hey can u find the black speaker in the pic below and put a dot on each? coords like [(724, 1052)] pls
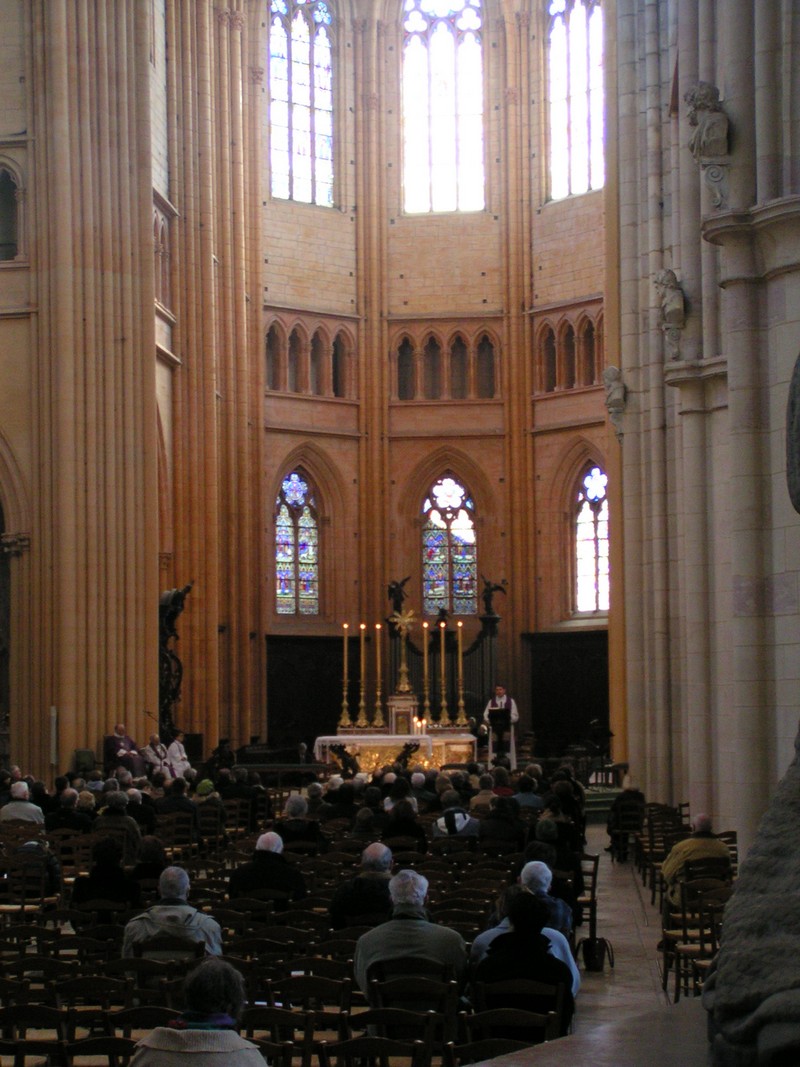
[(193, 743)]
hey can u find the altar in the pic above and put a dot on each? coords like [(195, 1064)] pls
[(373, 750)]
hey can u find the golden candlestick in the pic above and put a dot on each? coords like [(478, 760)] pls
[(462, 718), (361, 721), (377, 719), (443, 714), (344, 720), (402, 621), (426, 702)]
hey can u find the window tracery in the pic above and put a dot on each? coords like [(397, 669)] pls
[(296, 546), (449, 549)]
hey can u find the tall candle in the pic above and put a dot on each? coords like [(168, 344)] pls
[(378, 656), (460, 656), (363, 627), (443, 665), (425, 658), (345, 628)]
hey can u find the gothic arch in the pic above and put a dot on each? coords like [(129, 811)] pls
[(13, 492), (325, 475), (439, 462), (579, 453)]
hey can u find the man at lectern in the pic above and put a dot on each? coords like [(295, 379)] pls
[(501, 716)]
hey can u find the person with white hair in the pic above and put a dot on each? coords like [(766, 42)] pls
[(364, 900), (537, 878), (409, 933), (268, 869), (173, 915), (295, 826), (20, 807)]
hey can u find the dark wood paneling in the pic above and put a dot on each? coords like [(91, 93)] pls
[(569, 690)]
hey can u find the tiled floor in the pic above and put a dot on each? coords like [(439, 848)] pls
[(627, 919)]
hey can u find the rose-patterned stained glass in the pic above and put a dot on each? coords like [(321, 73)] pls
[(442, 101), (301, 101), (592, 591), (449, 551), (296, 548)]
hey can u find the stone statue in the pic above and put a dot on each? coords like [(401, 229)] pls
[(170, 668), (673, 313), (616, 397), (489, 589), (709, 140)]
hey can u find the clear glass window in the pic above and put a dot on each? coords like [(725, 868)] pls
[(301, 101), (591, 542), (442, 99)]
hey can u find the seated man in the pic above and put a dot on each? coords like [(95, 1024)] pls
[(155, 754), (294, 825), (173, 915), (120, 750), (558, 944), (701, 845), (368, 893), (268, 869), (409, 933), (66, 816), (454, 820), (20, 806), (537, 878), (527, 915)]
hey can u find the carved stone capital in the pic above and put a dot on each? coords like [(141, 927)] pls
[(14, 544), (223, 16), (523, 19), (512, 95), (359, 25), (237, 20), (257, 75)]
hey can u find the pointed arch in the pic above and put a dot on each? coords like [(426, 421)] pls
[(432, 366), (547, 361), (11, 199), (405, 360), (275, 348), (14, 497)]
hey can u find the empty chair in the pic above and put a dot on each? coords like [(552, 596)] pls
[(379, 1050)]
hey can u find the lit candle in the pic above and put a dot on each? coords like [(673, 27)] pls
[(363, 628), (443, 674), (425, 660), (345, 628), (378, 656), (460, 656)]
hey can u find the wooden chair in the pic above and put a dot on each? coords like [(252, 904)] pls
[(528, 995), (478, 1051), (398, 1024), (418, 994), (169, 947), (702, 904), (410, 966), (588, 899), (280, 1026), (515, 1023), (112, 1051), (17, 1051), (381, 1051), (139, 1020)]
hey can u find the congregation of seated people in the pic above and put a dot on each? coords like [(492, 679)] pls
[(449, 872)]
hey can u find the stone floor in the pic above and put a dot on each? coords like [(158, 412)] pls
[(627, 919), (623, 1017)]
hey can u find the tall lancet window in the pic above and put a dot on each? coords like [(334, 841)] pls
[(449, 550), (575, 92), (443, 106), (296, 547), (301, 101), (591, 542)]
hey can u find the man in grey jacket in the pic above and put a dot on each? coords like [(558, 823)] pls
[(409, 933), (174, 916)]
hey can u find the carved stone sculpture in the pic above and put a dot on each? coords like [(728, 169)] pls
[(673, 310), (616, 397), (709, 140)]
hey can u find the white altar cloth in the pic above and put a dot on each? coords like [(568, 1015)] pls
[(374, 749)]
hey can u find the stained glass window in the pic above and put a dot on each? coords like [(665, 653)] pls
[(301, 100), (591, 543), (575, 93), (296, 547), (442, 103), (449, 551)]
